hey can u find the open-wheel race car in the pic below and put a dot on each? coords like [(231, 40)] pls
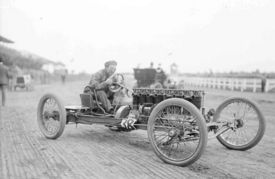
[(176, 120)]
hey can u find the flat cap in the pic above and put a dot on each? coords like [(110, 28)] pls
[(111, 62)]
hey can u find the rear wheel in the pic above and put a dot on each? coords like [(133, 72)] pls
[(51, 116), (177, 132), (245, 120)]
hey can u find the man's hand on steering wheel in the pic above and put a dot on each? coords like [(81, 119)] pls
[(116, 84), (113, 84), (115, 87)]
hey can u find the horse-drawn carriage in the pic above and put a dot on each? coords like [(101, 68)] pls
[(176, 121)]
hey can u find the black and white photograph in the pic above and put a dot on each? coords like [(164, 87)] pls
[(102, 89)]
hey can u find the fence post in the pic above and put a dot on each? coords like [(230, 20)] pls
[(254, 85), (220, 83), (267, 86), (203, 82), (224, 83), (231, 82), (243, 85)]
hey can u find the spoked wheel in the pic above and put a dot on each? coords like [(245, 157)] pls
[(177, 132), (246, 124), (51, 116)]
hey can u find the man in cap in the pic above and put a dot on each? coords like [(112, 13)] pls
[(100, 82), (4, 80)]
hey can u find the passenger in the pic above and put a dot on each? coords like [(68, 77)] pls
[(160, 75), (100, 82)]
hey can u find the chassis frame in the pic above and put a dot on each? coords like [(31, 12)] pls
[(188, 124)]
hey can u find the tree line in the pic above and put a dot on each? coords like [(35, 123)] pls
[(23, 60)]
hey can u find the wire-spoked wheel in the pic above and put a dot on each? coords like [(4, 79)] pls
[(51, 116), (245, 120), (177, 132)]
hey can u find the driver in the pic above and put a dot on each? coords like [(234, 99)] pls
[(100, 82)]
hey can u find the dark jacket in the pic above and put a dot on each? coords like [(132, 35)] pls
[(4, 75), (98, 80)]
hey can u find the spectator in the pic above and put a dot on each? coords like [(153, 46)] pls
[(160, 75), (263, 82), (64, 75), (14, 71), (152, 65), (4, 80), (10, 80)]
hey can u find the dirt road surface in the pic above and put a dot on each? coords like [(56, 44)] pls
[(93, 151)]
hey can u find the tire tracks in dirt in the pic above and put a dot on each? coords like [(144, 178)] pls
[(27, 155), (129, 153)]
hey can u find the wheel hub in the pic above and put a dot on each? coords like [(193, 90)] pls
[(172, 133), (239, 123), (51, 115)]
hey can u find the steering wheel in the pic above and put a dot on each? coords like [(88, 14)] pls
[(115, 87), (118, 84), (118, 81)]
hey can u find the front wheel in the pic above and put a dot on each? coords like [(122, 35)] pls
[(51, 116), (177, 132), (245, 122)]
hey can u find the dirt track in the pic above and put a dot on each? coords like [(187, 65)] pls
[(96, 152)]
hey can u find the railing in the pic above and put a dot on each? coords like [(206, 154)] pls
[(240, 84), (270, 84)]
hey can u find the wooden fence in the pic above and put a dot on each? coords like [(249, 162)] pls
[(241, 84)]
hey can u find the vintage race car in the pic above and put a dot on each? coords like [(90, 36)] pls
[(176, 121)]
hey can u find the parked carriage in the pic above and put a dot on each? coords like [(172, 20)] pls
[(23, 82)]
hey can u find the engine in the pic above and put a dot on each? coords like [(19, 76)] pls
[(145, 99)]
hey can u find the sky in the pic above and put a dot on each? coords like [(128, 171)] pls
[(197, 35)]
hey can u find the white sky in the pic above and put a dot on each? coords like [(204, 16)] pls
[(198, 35)]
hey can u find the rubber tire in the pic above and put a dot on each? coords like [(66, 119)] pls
[(62, 114), (200, 121), (260, 132)]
